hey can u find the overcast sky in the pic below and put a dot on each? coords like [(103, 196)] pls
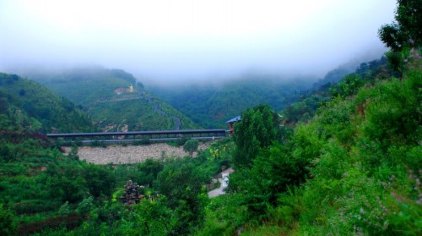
[(170, 39)]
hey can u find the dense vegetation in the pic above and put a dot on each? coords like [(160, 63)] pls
[(353, 168), (47, 193), (44, 192), (114, 99), (212, 104), (406, 31), (331, 86), (26, 105), (349, 165)]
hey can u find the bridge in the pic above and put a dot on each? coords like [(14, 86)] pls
[(138, 136)]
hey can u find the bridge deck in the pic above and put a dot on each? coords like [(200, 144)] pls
[(199, 132), (138, 136)]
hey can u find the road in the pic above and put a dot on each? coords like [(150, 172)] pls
[(224, 183)]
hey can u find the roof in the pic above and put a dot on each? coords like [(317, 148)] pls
[(235, 119)]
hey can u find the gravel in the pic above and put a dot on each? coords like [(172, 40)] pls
[(118, 154)]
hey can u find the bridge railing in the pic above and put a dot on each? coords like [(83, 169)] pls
[(134, 136)]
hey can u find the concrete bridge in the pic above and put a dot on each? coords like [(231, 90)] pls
[(138, 136)]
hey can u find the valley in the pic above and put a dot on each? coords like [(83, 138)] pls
[(210, 104), (269, 153), (350, 126), (91, 150)]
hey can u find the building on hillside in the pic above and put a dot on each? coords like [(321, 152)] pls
[(119, 91), (123, 90), (231, 123)]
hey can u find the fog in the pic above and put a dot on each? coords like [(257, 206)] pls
[(169, 40)]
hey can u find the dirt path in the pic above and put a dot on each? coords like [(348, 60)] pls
[(224, 183), (131, 154)]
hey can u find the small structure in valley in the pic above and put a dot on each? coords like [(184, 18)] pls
[(231, 123)]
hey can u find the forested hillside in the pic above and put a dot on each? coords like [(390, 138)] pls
[(211, 104), (350, 166), (114, 99), (353, 168), (330, 87), (26, 105), (344, 159), (44, 192)]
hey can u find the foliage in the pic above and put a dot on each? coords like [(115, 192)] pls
[(406, 30), (348, 86), (100, 181), (7, 226), (181, 184), (353, 168), (105, 95), (191, 146), (257, 129), (273, 172), (153, 217), (333, 84), (212, 104), (26, 105), (224, 215), (47, 193), (349, 164)]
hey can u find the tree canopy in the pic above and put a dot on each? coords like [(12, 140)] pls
[(257, 129), (406, 31)]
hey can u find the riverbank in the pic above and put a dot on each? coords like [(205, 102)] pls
[(118, 154)]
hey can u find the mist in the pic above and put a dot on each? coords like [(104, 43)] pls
[(168, 41)]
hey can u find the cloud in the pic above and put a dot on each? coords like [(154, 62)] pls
[(191, 38)]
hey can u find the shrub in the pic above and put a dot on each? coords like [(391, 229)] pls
[(191, 146)]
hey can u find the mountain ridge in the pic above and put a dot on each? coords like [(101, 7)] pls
[(212, 104), (27, 105), (114, 98)]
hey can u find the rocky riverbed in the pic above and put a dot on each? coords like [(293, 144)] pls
[(118, 154)]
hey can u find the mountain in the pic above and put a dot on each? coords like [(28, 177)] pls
[(335, 75), (331, 86), (348, 164), (211, 104), (114, 99), (27, 105), (354, 163)]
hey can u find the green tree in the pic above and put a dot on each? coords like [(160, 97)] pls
[(191, 146), (257, 129), (149, 169), (99, 180), (272, 173), (348, 86), (7, 226), (182, 185), (407, 29), (65, 183), (152, 217)]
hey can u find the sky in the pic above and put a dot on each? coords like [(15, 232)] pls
[(174, 39)]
